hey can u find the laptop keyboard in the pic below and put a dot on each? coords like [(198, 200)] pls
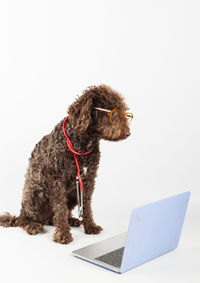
[(113, 258)]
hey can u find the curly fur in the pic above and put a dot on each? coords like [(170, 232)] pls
[(49, 193)]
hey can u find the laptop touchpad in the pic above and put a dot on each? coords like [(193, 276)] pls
[(113, 258)]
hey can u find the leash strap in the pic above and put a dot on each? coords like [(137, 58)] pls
[(78, 178)]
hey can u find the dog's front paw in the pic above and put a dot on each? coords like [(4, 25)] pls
[(62, 236), (93, 229), (33, 228), (74, 222)]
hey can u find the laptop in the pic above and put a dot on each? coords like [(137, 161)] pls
[(154, 229)]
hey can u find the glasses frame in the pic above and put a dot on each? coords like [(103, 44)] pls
[(127, 114)]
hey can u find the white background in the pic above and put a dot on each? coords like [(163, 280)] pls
[(150, 52)]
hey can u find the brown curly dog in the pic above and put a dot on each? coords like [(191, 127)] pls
[(49, 193)]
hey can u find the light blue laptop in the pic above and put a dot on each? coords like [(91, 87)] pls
[(154, 229)]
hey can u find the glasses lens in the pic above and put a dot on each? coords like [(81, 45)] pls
[(115, 116), (129, 117)]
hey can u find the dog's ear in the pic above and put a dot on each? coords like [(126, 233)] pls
[(80, 112)]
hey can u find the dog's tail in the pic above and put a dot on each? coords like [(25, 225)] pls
[(7, 220)]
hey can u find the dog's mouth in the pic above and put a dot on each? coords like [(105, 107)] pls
[(119, 138), (114, 133)]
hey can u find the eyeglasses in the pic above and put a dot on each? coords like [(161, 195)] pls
[(116, 115)]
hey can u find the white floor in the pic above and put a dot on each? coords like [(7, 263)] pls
[(26, 258)]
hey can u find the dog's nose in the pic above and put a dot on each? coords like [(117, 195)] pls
[(127, 134)]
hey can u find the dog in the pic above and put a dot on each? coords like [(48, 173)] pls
[(49, 193)]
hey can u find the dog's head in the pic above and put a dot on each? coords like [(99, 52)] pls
[(84, 116)]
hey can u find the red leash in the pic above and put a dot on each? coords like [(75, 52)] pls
[(69, 144)]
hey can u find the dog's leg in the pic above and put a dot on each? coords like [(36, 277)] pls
[(62, 234), (89, 225), (30, 226), (30, 219)]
